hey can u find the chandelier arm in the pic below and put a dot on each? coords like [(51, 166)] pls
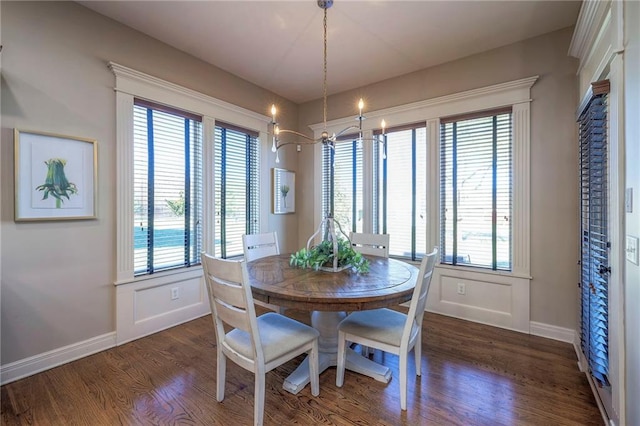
[(283, 144), (298, 134)]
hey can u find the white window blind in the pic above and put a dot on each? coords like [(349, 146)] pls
[(476, 190), (401, 185), (344, 181), (594, 260), (167, 177), (237, 188)]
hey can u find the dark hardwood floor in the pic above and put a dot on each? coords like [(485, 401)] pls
[(472, 374)]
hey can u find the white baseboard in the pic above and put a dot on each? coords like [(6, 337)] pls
[(144, 307), (603, 411), (47, 360), (552, 332), (583, 366)]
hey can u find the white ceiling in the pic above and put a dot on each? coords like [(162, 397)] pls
[(278, 44)]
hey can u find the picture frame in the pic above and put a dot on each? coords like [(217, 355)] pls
[(283, 191), (55, 176)]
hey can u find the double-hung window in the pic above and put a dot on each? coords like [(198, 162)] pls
[(342, 184), (167, 183), (400, 204), (237, 187), (476, 190)]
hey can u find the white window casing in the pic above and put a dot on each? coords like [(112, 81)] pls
[(499, 298), (142, 303)]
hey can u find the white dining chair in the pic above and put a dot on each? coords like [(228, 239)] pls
[(257, 246), (258, 344), (372, 244), (389, 330)]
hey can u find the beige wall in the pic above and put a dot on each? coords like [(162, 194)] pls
[(554, 205), (57, 277)]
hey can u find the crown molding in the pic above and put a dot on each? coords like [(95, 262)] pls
[(200, 103), (513, 92), (592, 13)]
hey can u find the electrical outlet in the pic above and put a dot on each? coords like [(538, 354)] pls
[(175, 293), (462, 289)]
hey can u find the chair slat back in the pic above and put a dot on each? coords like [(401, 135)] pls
[(257, 246), (230, 298), (371, 244), (231, 313), (420, 293)]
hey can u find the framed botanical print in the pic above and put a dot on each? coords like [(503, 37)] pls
[(55, 176), (284, 191)]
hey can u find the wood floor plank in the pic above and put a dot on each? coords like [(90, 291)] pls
[(472, 374)]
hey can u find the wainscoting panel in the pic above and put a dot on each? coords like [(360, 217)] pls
[(497, 299), (148, 306)]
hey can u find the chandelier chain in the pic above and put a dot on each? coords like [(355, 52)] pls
[(324, 138), (324, 83)]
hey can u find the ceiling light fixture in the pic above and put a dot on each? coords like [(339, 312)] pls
[(325, 139)]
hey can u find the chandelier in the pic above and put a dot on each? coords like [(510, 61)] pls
[(324, 138)]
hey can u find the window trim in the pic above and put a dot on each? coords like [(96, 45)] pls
[(130, 83), (517, 95)]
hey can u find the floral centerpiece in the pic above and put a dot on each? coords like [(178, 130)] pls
[(332, 254)]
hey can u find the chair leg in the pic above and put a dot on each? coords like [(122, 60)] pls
[(314, 369), (403, 378), (342, 355), (258, 397), (221, 373), (417, 352)]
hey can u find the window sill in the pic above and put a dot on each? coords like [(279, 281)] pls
[(476, 270), (160, 277)]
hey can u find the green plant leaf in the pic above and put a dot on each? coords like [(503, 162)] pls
[(322, 255)]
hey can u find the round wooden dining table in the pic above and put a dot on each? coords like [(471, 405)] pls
[(329, 295)]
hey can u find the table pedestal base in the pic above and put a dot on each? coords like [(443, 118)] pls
[(327, 324)]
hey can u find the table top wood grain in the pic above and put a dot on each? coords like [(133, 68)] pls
[(388, 282)]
